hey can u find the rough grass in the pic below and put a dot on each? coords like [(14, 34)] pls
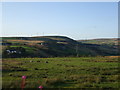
[(81, 72)]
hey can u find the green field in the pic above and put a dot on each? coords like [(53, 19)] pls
[(68, 72)]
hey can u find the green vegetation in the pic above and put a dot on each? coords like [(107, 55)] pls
[(58, 62), (107, 41), (67, 72), (56, 46)]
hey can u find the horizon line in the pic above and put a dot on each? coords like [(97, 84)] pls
[(63, 36)]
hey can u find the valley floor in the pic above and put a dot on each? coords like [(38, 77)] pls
[(68, 72)]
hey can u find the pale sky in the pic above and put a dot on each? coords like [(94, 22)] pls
[(77, 20)]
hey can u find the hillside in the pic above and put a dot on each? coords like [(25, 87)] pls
[(102, 41), (52, 46)]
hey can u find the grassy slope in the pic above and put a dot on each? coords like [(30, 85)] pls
[(109, 41), (68, 47), (83, 72)]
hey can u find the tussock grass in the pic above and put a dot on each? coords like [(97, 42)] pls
[(68, 72)]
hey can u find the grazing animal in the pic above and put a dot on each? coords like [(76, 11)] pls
[(31, 61), (46, 62), (10, 74), (44, 77), (36, 68), (38, 61)]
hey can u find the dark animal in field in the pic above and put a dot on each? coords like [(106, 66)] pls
[(38, 61), (46, 62), (44, 77), (72, 66), (68, 70), (10, 74), (25, 62), (36, 69)]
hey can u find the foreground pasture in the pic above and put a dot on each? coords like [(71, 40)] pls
[(81, 72)]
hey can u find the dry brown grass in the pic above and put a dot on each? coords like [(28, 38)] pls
[(10, 62), (27, 41), (112, 56)]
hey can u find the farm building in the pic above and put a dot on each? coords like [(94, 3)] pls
[(12, 51)]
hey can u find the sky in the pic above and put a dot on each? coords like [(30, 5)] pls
[(77, 20)]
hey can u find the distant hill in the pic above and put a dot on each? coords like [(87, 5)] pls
[(54, 46), (103, 41)]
